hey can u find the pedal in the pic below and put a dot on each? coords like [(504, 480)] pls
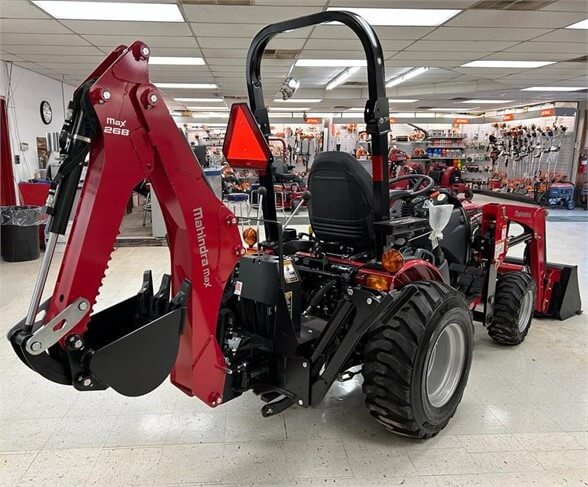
[(269, 396), (276, 407)]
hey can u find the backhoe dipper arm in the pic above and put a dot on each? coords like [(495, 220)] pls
[(136, 138)]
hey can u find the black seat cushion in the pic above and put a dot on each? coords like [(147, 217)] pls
[(342, 206)]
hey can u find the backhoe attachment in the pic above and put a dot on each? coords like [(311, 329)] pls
[(120, 128)]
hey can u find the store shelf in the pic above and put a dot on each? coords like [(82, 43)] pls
[(447, 158), (454, 137), (446, 146)]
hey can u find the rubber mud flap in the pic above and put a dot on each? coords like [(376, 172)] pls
[(137, 363)]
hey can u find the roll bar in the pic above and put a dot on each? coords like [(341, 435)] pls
[(376, 113)]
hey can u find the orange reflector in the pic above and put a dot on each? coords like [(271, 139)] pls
[(250, 236), (245, 146), (392, 260), (378, 282)]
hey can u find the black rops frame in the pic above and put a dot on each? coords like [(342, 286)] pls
[(376, 113)]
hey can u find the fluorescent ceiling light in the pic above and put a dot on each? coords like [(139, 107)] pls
[(406, 76), (341, 77), (200, 100), (555, 88), (401, 100), (289, 109), (281, 115), (208, 109), (352, 115), (324, 115), (137, 12), (403, 114), (211, 114), (194, 86), (298, 100), (330, 63), (180, 61), (402, 16), (457, 110), (506, 64), (583, 24), (489, 102)]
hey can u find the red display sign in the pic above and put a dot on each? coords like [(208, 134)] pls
[(548, 112), (508, 117), (313, 120), (460, 121), (392, 120)]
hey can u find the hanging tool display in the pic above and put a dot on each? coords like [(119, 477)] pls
[(525, 158)]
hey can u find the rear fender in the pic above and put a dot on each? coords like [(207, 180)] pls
[(415, 270)]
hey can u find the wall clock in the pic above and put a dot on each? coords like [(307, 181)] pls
[(46, 112)]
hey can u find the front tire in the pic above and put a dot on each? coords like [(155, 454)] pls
[(416, 365), (514, 304)]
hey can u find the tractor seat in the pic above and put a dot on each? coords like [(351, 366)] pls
[(342, 205)]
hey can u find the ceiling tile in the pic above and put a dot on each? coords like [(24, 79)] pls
[(459, 56), (567, 6), (570, 48), (19, 9), (242, 30), (461, 46), (224, 53), (32, 26), (383, 32), (486, 34), (151, 41), (514, 19), (236, 14), (60, 50), (60, 58), (565, 35), (244, 42), (41, 39), (129, 28), (354, 45)]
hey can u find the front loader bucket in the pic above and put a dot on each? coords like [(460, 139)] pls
[(565, 297)]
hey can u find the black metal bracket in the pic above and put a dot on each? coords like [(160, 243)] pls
[(369, 308)]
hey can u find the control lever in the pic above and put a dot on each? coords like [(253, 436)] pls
[(305, 197)]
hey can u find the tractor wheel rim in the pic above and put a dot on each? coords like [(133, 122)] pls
[(445, 362), (526, 310)]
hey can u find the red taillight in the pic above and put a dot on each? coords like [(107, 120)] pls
[(245, 146)]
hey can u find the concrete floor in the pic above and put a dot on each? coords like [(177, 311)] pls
[(523, 420)]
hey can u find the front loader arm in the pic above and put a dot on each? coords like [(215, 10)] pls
[(137, 139)]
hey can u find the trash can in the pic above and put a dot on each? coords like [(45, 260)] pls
[(20, 232)]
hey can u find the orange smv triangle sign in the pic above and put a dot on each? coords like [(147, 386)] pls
[(245, 146)]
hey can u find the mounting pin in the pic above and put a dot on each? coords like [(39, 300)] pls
[(36, 346), (83, 306), (105, 95)]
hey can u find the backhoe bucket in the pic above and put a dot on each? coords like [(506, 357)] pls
[(131, 346)]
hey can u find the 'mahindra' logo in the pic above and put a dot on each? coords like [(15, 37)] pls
[(202, 249)]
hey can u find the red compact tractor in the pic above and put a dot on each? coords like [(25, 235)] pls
[(390, 298)]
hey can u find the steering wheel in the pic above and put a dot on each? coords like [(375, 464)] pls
[(421, 184)]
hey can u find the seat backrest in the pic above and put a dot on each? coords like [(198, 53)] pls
[(342, 205)]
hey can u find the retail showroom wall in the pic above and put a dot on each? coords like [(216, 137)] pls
[(26, 92)]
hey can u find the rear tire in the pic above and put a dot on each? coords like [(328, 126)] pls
[(416, 366), (514, 304)]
